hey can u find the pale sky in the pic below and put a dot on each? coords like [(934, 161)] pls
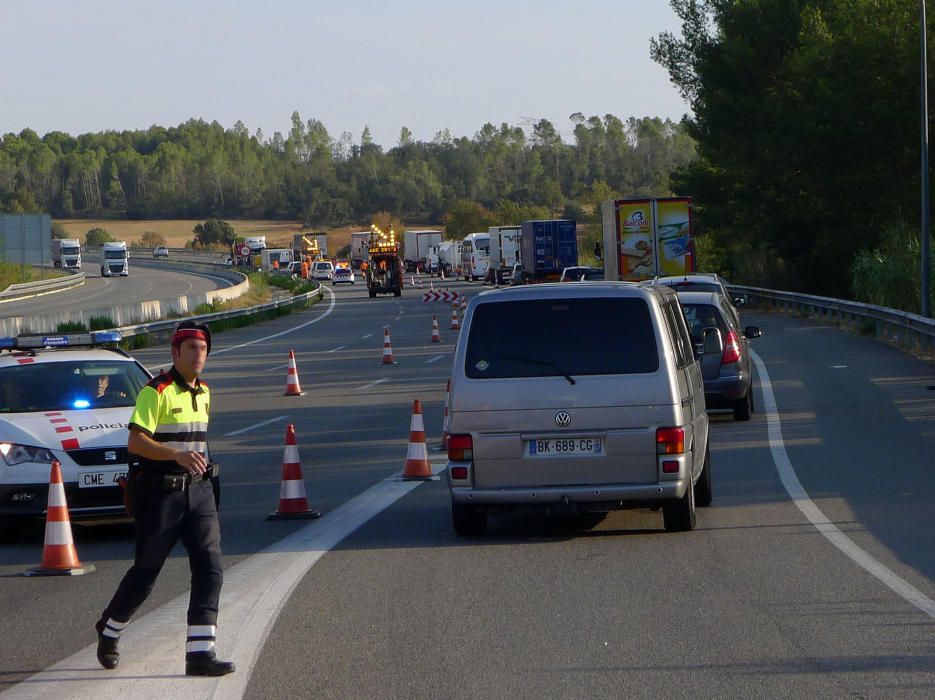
[(91, 65)]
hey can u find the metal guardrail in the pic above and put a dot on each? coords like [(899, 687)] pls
[(167, 326), (33, 289), (911, 331)]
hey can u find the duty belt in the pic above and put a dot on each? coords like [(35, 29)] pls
[(177, 482)]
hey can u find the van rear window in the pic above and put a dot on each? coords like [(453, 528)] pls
[(557, 337)]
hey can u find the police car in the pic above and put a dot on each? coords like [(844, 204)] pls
[(67, 398)]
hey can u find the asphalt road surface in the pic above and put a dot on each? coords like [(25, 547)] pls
[(142, 284), (812, 574)]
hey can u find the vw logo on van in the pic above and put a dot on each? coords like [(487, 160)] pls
[(562, 419)]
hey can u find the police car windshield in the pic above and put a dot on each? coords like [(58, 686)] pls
[(70, 385)]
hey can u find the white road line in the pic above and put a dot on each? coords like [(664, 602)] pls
[(255, 426), (369, 335), (254, 594), (272, 369), (373, 384), (816, 517), (434, 359), (285, 332), (340, 347)]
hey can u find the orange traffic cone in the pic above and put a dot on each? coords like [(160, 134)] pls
[(417, 459), (59, 557), (388, 358), (292, 379), (441, 272), (293, 504), (436, 336), (455, 322)]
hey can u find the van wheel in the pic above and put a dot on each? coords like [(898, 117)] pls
[(743, 409), (373, 294), (679, 516), (703, 492), (468, 520), (398, 293)]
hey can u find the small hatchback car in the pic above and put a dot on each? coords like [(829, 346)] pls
[(578, 398)]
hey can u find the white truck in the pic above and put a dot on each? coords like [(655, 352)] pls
[(256, 244), (360, 245), (66, 253), (505, 251), (115, 260), (281, 256), (475, 252), (416, 246), (445, 256)]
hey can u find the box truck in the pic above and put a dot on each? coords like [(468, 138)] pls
[(66, 253), (645, 238), (416, 246), (547, 248), (504, 251)]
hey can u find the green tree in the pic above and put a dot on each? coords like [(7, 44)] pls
[(152, 239), (213, 232), (466, 217), (96, 236)]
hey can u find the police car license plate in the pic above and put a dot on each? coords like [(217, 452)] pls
[(98, 479), (565, 447)]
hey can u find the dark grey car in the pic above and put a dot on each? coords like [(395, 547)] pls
[(728, 380)]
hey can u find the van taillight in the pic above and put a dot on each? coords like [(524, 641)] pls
[(459, 473), (460, 448), (670, 441), (731, 349)]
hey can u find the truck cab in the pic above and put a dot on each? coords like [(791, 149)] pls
[(115, 260), (66, 253)]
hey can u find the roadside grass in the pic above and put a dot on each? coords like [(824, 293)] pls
[(14, 273)]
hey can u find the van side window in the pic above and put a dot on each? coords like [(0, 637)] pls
[(683, 350)]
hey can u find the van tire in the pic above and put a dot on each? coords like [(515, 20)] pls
[(468, 520), (679, 515), (703, 493), (743, 409)]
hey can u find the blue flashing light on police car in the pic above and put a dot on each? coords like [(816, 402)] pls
[(91, 339)]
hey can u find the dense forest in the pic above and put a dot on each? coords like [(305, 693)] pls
[(200, 169), (806, 117)]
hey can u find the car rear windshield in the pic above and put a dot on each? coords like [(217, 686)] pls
[(558, 337), (701, 316), (68, 386), (696, 287)]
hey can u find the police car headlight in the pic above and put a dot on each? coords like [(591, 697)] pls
[(19, 454)]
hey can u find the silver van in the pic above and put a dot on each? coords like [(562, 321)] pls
[(578, 398)]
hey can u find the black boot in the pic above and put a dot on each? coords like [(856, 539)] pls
[(107, 653), (205, 663)]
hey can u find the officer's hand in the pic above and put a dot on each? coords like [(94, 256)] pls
[(194, 462)]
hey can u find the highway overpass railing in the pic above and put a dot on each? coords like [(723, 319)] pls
[(911, 331)]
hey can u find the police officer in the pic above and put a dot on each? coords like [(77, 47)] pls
[(172, 492)]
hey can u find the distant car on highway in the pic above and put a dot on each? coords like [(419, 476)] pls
[(577, 398), (703, 282), (343, 275), (70, 402), (322, 270), (728, 380), (160, 251), (582, 274)]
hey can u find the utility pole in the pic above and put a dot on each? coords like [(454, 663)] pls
[(926, 310)]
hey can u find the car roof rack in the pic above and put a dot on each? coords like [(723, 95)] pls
[(64, 340)]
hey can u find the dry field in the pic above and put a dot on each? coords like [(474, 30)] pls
[(178, 232)]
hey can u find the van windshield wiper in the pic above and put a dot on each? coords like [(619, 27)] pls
[(541, 363)]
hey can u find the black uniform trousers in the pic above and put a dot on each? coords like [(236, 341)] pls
[(161, 519)]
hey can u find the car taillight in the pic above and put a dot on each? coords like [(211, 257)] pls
[(731, 349), (670, 441), (460, 448)]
